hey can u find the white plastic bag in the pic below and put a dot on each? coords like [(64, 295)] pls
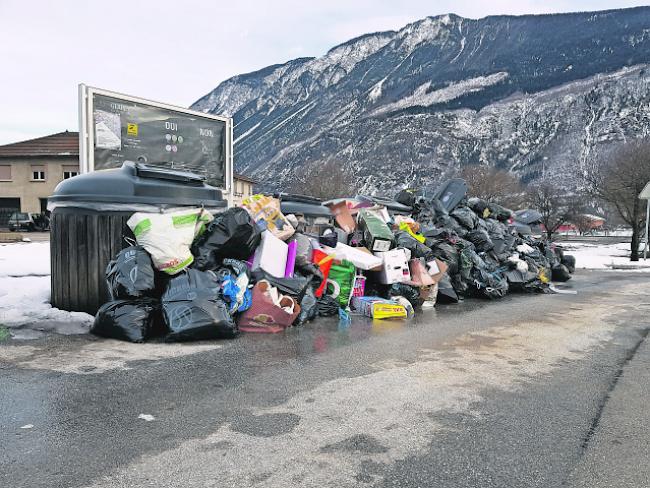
[(167, 237)]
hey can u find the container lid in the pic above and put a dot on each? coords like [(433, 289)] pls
[(301, 204), (136, 184)]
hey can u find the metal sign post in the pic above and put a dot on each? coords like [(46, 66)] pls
[(645, 195)]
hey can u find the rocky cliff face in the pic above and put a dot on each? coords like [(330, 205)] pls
[(536, 95)]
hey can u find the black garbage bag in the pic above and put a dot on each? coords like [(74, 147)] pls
[(560, 272), (193, 308), (328, 237), (411, 293), (131, 274), (445, 252), (499, 212), (570, 262), (450, 223), (405, 197), (488, 284), (481, 240), (446, 292), (294, 287), (310, 270), (327, 306), (478, 205), (308, 307), (126, 320), (465, 217), (418, 250), (232, 234)]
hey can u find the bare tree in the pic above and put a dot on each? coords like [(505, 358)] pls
[(557, 208), (324, 180), (494, 185), (617, 178)]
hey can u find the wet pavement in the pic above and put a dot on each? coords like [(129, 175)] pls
[(532, 390)]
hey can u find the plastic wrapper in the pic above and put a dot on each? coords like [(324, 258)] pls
[(193, 308), (308, 307), (126, 320), (232, 234), (234, 278), (131, 274)]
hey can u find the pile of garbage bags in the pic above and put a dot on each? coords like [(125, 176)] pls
[(192, 275)]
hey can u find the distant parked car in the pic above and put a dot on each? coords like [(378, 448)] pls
[(28, 222)]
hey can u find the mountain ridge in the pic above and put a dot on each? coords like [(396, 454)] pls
[(444, 70)]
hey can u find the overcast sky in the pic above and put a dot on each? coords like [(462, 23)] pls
[(176, 51)]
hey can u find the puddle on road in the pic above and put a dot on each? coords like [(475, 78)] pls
[(383, 416)]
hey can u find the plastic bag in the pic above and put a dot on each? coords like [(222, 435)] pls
[(294, 287), (126, 320), (131, 274), (232, 234), (340, 282), (193, 308), (446, 292), (418, 250), (308, 307), (405, 197), (327, 306), (411, 293), (167, 237), (570, 262), (234, 278), (465, 217), (560, 272), (488, 284), (481, 239), (265, 211)]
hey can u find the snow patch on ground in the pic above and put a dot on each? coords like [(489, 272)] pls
[(25, 294), (610, 256)]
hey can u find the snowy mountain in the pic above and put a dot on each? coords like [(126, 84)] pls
[(531, 94)]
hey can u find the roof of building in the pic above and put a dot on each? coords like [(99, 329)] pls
[(60, 144), (248, 179)]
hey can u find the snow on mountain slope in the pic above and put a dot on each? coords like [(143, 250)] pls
[(537, 95)]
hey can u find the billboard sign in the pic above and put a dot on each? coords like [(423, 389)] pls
[(114, 128)]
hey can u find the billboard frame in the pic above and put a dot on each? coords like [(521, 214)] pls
[(87, 131)]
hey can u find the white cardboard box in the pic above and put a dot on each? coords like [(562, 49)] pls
[(271, 255), (395, 266)]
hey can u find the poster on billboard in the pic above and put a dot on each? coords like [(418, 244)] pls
[(115, 128)]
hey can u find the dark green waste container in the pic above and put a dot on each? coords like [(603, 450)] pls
[(88, 223)]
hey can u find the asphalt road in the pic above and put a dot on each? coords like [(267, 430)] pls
[(533, 390)]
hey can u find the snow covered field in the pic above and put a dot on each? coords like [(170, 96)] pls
[(25, 294), (25, 285), (610, 256)]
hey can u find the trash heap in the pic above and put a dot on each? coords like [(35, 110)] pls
[(192, 275)]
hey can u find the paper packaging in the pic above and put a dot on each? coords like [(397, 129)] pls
[(376, 233), (271, 255), (395, 266), (343, 216), (437, 269), (379, 308), (270, 311), (359, 256)]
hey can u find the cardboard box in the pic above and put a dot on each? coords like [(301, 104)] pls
[(379, 308), (376, 233), (394, 267), (437, 269), (271, 255), (343, 216)]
